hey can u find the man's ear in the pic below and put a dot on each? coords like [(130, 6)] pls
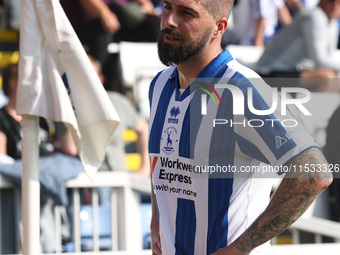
[(221, 26)]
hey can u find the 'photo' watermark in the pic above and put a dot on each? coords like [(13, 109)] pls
[(245, 99)]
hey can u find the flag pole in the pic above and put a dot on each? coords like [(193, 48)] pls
[(30, 186)]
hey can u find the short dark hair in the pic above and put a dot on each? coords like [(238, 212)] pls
[(9, 72), (219, 8)]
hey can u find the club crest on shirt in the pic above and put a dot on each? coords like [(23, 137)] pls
[(168, 139), (174, 112)]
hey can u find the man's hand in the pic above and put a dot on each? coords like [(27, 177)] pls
[(296, 193), (155, 238)]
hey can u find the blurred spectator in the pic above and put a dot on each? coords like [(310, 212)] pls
[(297, 6), (99, 22), (332, 154), (256, 21), (310, 4), (306, 49), (115, 151), (53, 137), (129, 119)]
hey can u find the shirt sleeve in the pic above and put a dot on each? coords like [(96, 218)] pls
[(272, 138)]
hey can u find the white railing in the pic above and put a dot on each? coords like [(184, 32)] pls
[(126, 221), (122, 181), (310, 249), (318, 226)]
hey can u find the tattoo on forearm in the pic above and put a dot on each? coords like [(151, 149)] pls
[(295, 194)]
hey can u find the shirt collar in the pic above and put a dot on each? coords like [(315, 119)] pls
[(210, 71), (212, 68)]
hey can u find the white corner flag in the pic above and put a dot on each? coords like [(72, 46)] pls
[(58, 81)]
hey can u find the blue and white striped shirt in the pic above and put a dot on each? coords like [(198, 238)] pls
[(200, 212)]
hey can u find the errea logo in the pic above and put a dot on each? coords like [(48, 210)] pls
[(174, 112)]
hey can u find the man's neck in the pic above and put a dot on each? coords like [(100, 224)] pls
[(192, 68)]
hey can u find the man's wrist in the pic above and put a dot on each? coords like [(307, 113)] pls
[(243, 245)]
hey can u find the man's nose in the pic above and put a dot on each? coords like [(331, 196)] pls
[(170, 19)]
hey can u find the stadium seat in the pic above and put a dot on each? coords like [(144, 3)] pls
[(246, 55), (137, 72), (135, 56)]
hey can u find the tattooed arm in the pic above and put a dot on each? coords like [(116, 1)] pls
[(295, 194)]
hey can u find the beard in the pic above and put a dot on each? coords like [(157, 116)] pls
[(170, 55)]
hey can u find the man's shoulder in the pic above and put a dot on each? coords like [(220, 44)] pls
[(163, 77), (244, 77), (236, 69), (166, 73)]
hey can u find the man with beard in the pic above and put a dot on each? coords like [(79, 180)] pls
[(224, 210)]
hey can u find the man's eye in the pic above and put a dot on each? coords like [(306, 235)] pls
[(167, 7), (188, 13)]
